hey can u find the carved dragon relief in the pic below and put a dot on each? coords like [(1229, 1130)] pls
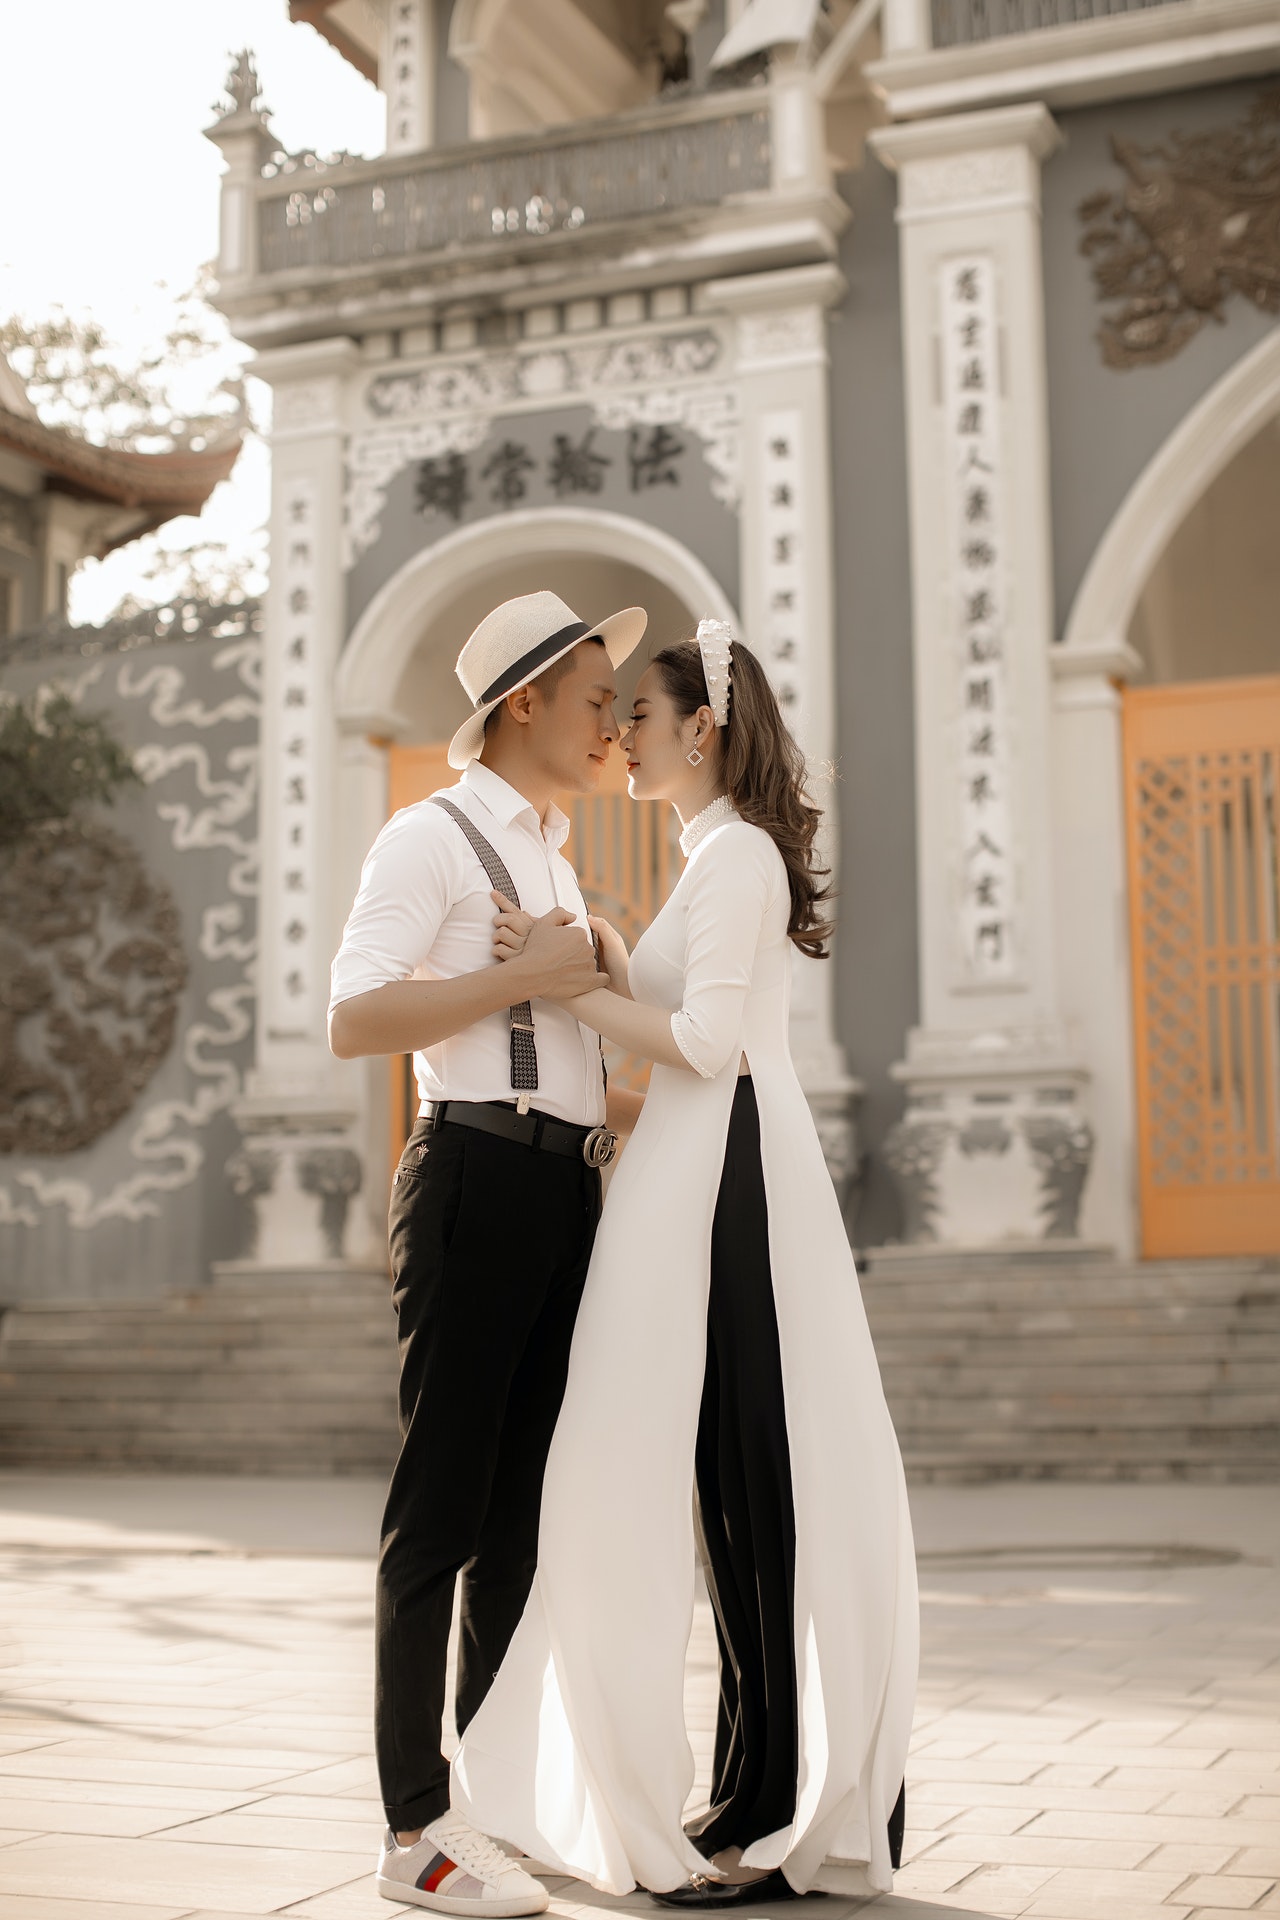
[(91, 988), (1198, 221)]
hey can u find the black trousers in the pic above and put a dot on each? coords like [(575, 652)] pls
[(490, 1242), (747, 1515)]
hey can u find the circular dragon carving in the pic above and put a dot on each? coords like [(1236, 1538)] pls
[(91, 968)]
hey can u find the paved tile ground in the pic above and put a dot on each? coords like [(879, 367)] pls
[(184, 1721)]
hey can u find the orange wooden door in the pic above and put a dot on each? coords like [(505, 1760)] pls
[(627, 860), (1202, 776)]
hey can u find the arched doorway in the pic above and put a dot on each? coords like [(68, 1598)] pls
[(1201, 744), (397, 689)]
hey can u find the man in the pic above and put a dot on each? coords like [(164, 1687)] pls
[(495, 1201)]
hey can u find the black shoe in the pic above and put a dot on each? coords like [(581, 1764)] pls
[(701, 1891)]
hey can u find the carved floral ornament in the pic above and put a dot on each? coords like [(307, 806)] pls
[(1198, 221)]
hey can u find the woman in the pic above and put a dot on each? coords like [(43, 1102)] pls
[(722, 1337)]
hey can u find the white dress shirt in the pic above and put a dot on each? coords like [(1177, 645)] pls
[(423, 912)]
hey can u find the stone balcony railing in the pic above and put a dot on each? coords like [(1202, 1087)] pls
[(510, 193), (706, 184), (962, 22), (941, 57)]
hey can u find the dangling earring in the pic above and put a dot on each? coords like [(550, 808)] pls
[(695, 758)]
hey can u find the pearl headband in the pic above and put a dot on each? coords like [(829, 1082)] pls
[(715, 638)]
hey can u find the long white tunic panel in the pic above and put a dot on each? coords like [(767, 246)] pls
[(580, 1753)]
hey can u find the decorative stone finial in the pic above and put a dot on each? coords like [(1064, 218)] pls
[(243, 86)]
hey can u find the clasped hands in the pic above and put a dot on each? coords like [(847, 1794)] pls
[(556, 953)]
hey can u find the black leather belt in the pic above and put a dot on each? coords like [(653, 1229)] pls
[(596, 1145)]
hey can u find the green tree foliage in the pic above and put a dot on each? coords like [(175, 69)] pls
[(184, 391), (53, 760)]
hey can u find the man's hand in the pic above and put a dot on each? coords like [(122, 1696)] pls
[(558, 960)]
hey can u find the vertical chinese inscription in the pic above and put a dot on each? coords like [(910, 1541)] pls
[(404, 130), (295, 769), (988, 931), (785, 632)]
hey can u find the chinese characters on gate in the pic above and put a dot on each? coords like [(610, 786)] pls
[(784, 613), (295, 767), (970, 398), (405, 75), (443, 484)]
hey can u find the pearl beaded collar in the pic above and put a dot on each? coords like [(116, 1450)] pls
[(702, 823)]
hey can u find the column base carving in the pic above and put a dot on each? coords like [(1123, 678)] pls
[(985, 1156), (300, 1172), (835, 1117)]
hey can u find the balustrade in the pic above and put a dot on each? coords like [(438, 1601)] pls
[(352, 213), (959, 23)]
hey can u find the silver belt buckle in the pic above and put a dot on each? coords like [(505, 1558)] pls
[(600, 1146)]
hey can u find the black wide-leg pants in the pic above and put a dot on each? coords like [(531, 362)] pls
[(490, 1242), (747, 1515)]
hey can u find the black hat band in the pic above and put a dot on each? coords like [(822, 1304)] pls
[(528, 664)]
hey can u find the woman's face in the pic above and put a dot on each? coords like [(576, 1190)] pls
[(657, 743)]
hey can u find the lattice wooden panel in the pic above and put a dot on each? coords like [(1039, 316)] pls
[(1203, 792), (627, 860)]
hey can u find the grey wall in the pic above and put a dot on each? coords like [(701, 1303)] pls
[(147, 1206), (453, 88), (1106, 425), (688, 510), (876, 955)]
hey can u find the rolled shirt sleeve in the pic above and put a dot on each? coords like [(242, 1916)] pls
[(731, 887), (409, 877)]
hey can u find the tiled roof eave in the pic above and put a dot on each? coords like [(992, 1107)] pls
[(177, 481)]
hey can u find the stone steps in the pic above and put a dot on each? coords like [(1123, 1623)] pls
[(1001, 1366), (994, 1366), (294, 1377)]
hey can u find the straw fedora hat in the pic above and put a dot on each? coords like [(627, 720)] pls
[(518, 641)]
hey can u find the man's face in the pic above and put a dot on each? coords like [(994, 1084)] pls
[(572, 722)]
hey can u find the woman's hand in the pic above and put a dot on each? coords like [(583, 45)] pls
[(561, 954), (612, 949), (511, 928)]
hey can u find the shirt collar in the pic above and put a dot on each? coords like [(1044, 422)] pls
[(506, 805)]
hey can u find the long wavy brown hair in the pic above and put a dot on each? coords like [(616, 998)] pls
[(764, 774)]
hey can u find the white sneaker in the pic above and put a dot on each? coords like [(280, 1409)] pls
[(454, 1869)]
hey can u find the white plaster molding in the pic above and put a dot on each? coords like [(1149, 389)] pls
[(1116, 661), (449, 405), (374, 460), (786, 337), (709, 412), (392, 625), (822, 285), (536, 373), (1120, 56), (1221, 423), (310, 360), (305, 408), (971, 163)]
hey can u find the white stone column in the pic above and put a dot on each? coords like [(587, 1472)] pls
[(302, 1158), (1092, 905), (907, 27), (993, 1147), (786, 595)]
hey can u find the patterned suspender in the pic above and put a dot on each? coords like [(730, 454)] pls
[(524, 1055)]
